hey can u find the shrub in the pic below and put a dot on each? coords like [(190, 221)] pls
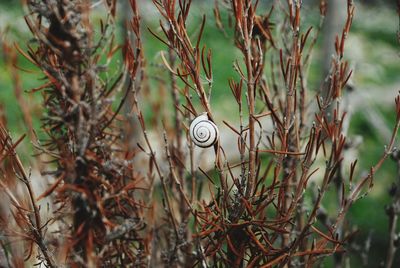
[(119, 198)]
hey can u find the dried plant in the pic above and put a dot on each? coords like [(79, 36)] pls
[(98, 217), (261, 208), (256, 218)]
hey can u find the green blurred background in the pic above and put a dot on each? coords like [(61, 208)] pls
[(372, 51)]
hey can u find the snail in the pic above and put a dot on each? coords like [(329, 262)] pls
[(203, 132)]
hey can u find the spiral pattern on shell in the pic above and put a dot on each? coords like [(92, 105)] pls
[(203, 132)]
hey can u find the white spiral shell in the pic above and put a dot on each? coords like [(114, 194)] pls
[(203, 132)]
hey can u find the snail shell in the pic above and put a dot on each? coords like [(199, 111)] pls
[(203, 132)]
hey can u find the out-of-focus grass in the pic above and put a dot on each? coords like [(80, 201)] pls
[(368, 214)]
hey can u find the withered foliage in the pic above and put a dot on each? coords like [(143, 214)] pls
[(259, 210), (97, 215)]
